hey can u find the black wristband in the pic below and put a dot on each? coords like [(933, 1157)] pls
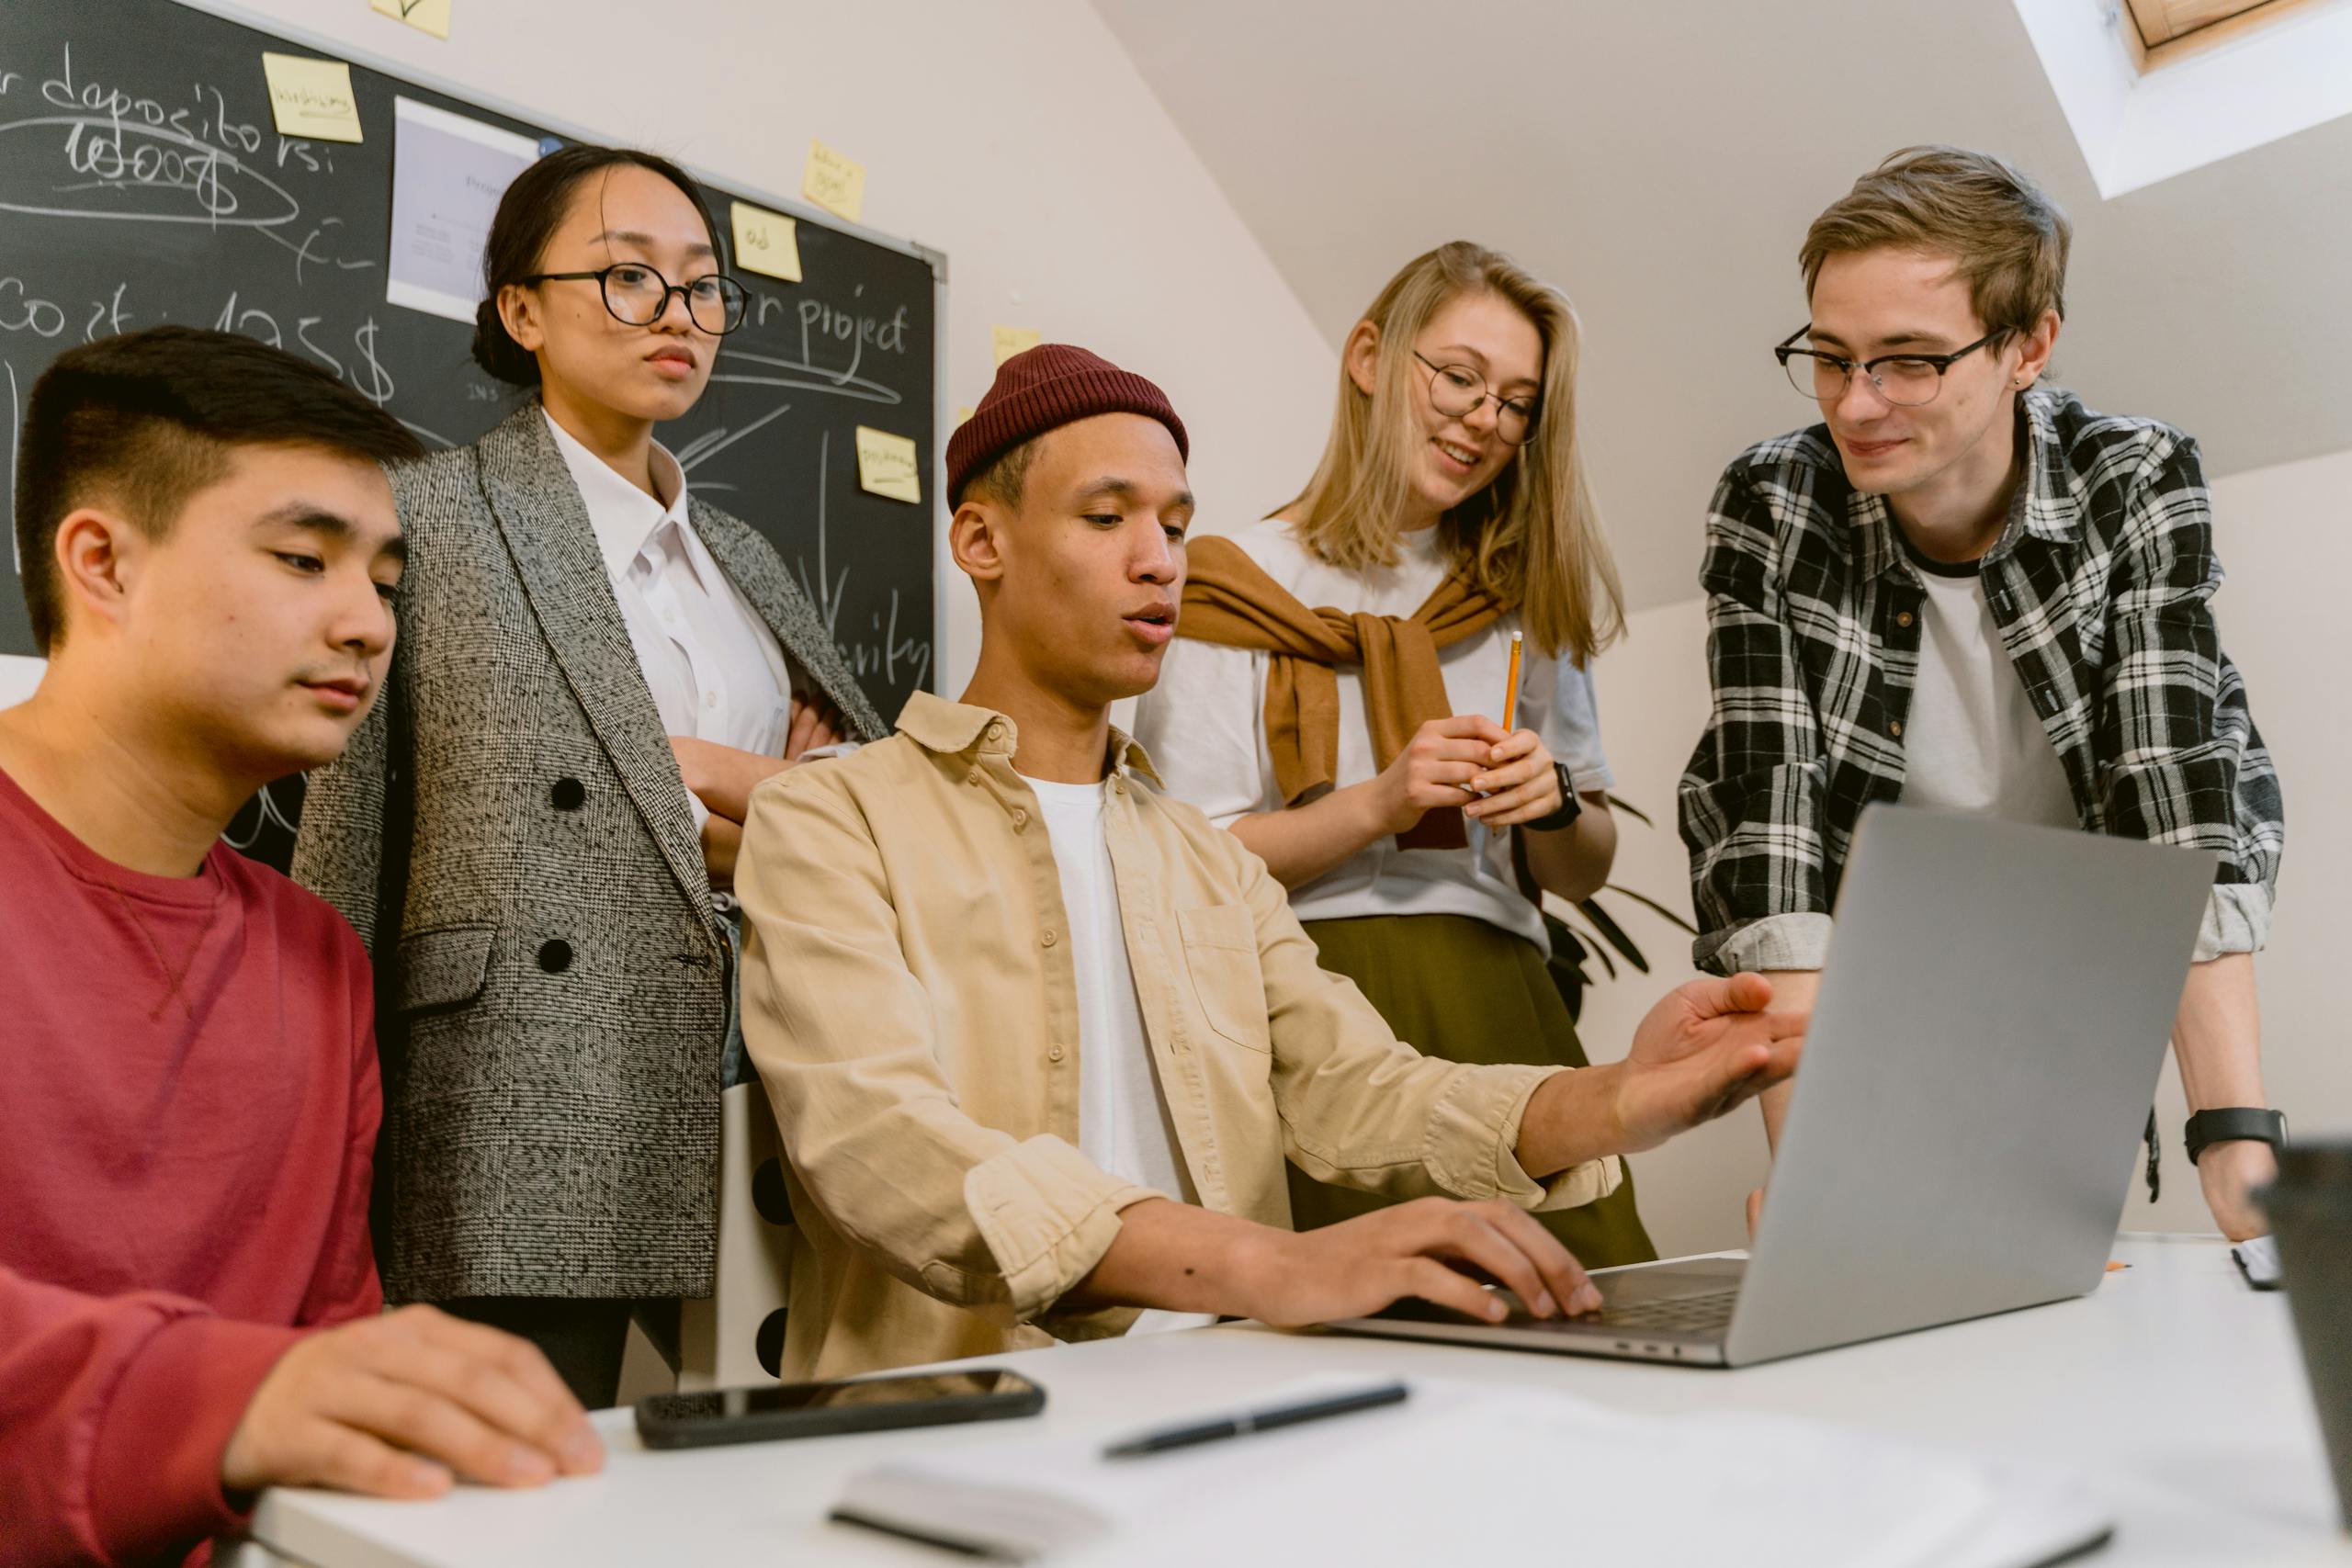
[(1571, 808), (2231, 1124)]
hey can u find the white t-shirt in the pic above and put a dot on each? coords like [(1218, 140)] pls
[(1973, 742), (1205, 725), (716, 671), (1122, 1122)]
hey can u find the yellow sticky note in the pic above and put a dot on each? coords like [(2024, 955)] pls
[(962, 412), (766, 242), (424, 15), (885, 465), (312, 98), (833, 182), (1010, 340)]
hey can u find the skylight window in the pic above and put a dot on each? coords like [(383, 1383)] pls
[(2154, 88), (2169, 31)]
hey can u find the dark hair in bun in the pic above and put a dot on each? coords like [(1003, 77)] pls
[(529, 215)]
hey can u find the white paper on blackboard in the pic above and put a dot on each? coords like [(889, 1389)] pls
[(447, 175)]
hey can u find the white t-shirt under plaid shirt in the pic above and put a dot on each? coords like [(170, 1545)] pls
[(2100, 593)]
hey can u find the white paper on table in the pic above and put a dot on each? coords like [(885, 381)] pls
[(1474, 1473), (447, 175)]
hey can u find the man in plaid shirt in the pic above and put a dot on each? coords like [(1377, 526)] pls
[(1969, 592)]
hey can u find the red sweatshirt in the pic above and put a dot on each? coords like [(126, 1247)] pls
[(188, 1107)]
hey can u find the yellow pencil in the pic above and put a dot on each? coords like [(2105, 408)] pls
[(1510, 692)]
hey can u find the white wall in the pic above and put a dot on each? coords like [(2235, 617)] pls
[(1015, 136), (18, 676), (2283, 539)]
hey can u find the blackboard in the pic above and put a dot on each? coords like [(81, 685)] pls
[(141, 180)]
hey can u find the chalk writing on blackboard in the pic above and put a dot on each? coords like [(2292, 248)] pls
[(143, 180)]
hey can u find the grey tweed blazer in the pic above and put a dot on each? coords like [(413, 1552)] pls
[(510, 835)]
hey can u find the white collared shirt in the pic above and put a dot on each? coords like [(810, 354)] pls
[(716, 671)]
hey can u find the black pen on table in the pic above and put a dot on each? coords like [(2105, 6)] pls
[(1249, 1421)]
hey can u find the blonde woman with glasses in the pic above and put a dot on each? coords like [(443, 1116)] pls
[(1335, 693)]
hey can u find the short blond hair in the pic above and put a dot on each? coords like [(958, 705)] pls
[(2008, 238), (1532, 538)]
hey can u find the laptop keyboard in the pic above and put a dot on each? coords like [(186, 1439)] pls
[(1697, 1314)]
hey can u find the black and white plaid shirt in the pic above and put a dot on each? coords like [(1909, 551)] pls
[(2100, 586)]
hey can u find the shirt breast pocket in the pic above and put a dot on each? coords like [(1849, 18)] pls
[(1221, 957)]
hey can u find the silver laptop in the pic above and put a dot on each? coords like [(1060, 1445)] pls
[(1976, 1077)]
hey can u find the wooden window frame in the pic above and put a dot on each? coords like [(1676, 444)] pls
[(2211, 22)]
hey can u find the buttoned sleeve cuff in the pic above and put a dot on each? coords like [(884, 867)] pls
[(1047, 1215), (1474, 1139), (2237, 920), (1776, 942)]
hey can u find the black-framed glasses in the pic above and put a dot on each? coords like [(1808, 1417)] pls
[(1906, 380), (1456, 391), (637, 295)]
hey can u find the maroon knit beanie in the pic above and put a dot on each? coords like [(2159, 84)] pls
[(1043, 388)]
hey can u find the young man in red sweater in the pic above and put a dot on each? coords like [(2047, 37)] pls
[(188, 1306)]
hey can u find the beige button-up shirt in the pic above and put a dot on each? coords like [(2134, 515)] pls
[(909, 999)]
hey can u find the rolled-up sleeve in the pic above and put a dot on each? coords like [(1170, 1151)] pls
[(841, 1030), (1363, 1109)]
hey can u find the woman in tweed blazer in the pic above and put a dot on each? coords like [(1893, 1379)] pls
[(515, 832)]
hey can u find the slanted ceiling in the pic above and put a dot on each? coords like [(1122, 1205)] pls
[(1660, 162)]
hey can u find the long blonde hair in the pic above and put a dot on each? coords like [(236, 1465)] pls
[(1532, 538)]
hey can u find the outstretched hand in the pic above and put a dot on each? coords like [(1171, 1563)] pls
[(1704, 1048)]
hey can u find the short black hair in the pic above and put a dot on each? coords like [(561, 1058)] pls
[(529, 215), (148, 419), (1002, 479)]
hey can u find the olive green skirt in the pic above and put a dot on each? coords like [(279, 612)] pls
[(1467, 991)]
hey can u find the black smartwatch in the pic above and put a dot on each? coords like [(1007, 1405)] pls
[(1570, 809), (2231, 1124)]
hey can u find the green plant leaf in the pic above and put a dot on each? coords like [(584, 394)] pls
[(1600, 950), (1613, 933), (1655, 906), (1620, 803), (1563, 938), (1567, 964)]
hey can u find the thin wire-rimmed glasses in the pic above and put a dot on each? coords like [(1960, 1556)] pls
[(1456, 391), (1906, 380), (637, 295)]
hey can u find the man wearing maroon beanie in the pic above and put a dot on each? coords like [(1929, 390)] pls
[(1039, 1038)]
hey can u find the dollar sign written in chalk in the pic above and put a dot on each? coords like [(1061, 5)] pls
[(370, 378)]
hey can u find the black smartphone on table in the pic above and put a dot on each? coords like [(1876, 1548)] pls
[(823, 1409)]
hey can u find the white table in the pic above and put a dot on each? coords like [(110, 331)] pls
[(2173, 1390)]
